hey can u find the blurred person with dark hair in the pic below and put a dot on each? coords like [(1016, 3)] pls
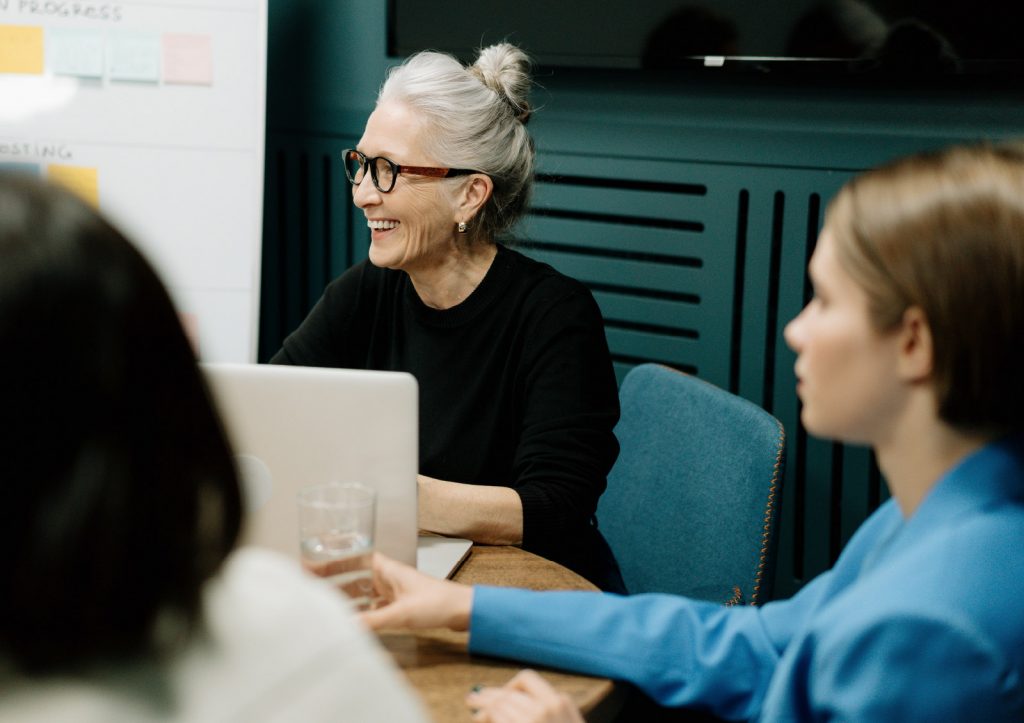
[(837, 29), (688, 32), (911, 46), (124, 598)]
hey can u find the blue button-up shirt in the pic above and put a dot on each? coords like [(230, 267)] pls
[(921, 619)]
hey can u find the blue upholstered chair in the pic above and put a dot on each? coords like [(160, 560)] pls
[(692, 501)]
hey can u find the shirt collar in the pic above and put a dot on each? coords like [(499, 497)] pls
[(993, 475)]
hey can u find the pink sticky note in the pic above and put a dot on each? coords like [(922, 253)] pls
[(188, 59)]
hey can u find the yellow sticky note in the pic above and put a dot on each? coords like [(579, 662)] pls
[(79, 179), (21, 49)]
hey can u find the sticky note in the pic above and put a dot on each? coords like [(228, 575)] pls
[(81, 180), (134, 57), (188, 59), (76, 52), (21, 49), (29, 168)]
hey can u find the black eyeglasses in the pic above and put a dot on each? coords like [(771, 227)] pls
[(384, 171)]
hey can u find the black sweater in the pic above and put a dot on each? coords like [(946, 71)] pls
[(516, 388)]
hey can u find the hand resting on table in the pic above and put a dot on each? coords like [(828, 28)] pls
[(409, 599), (527, 698)]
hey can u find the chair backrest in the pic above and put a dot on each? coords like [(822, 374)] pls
[(693, 498)]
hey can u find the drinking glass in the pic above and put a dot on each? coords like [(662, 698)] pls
[(336, 537)]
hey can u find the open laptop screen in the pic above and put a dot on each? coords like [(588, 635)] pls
[(292, 427)]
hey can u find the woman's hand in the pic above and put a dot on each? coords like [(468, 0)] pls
[(410, 599), (527, 698)]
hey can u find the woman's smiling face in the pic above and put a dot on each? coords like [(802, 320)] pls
[(413, 226)]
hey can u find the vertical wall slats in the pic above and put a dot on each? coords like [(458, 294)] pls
[(289, 243), (308, 231)]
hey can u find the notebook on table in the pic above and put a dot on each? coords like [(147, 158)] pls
[(293, 427)]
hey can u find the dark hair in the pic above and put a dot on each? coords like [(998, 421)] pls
[(690, 30), (944, 232), (117, 485)]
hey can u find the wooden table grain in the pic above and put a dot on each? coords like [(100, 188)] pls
[(440, 668)]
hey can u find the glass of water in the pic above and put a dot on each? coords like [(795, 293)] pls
[(336, 537)]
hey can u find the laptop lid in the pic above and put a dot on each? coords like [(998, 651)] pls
[(292, 427)]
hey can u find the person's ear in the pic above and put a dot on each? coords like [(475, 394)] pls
[(474, 195), (916, 352)]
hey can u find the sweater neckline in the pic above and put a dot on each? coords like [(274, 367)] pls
[(490, 287)]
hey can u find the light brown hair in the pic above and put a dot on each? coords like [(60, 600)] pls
[(944, 231)]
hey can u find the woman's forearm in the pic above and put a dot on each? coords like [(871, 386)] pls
[(483, 513)]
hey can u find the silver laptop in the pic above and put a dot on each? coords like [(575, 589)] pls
[(292, 427)]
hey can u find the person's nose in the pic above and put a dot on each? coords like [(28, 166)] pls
[(365, 193), (793, 333)]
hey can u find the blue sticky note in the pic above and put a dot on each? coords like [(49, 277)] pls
[(134, 57), (32, 168), (76, 52)]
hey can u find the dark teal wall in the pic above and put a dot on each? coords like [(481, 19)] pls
[(690, 209)]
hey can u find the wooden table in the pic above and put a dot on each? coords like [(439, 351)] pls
[(441, 669)]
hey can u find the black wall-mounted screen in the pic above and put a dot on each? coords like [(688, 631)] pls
[(939, 38)]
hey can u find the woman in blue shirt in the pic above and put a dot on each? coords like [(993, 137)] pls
[(912, 344)]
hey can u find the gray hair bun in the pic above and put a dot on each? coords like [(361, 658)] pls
[(505, 69)]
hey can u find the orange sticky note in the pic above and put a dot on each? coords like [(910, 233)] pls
[(81, 180), (21, 49)]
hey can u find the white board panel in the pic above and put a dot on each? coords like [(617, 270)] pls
[(154, 111)]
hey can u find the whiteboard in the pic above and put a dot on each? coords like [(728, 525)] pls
[(154, 111)]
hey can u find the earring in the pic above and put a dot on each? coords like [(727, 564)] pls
[(462, 227)]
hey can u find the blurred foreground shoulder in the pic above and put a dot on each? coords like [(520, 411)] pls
[(276, 646), (298, 651)]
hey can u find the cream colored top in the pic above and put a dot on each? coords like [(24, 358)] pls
[(279, 647)]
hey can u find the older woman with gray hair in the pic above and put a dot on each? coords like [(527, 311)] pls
[(518, 398)]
